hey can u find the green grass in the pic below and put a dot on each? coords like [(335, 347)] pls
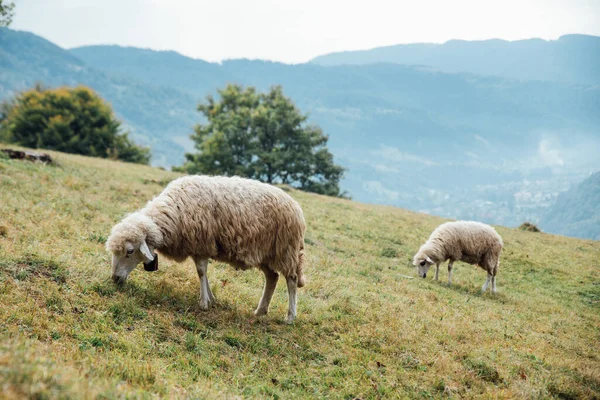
[(366, 327)]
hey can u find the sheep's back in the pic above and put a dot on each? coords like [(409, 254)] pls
[(232, 219), (464, 239)]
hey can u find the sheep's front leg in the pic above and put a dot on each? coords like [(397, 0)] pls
[(487, 282), (494, 284), (271, 278), (450, 272), (206, 296), (292, 285), (211, 297), (437, 271)]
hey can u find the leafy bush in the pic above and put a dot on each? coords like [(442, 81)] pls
[(262, 136), (71, 120), (529, 227), (6, 13)]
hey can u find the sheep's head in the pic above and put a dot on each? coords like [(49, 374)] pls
[(422, 261), (129, 246)]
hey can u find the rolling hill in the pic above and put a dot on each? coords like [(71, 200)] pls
[(366, 328), (570, 58), (452, 144), (576, 212)]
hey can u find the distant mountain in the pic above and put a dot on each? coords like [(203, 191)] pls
[(153, 113), (387, 104), (576, 212), (571, 58), (456, 145)]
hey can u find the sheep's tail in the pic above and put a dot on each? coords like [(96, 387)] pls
[(299, 272)]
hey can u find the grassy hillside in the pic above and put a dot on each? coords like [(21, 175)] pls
[(366, 328)]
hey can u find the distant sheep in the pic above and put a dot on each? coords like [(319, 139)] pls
[(243, 222), (467, 241)]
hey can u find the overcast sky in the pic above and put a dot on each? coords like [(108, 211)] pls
[(294, 31)]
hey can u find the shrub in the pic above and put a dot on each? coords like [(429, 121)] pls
[(529, 227), (71, 120)]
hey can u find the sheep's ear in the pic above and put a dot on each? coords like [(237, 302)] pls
[(429, 260), (146, 252)]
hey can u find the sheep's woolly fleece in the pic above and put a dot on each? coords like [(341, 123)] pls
[(240, 221), (468, 241)]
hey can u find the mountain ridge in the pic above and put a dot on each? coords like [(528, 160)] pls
[(572, 58)]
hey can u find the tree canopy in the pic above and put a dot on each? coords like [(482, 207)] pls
[(262, 136), (72, 120), (6, 12)]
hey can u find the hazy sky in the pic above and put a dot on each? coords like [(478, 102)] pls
[(294, 31)]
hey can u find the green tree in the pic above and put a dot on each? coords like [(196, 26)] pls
[(6, 13), (262, 136), (72, 120)]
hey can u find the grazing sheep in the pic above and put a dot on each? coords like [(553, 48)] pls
[(467, 241), (243, 222)]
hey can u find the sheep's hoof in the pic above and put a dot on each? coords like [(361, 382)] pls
[(259, 312), (290, 319), (204, 305)]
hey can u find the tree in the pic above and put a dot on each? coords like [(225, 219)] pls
[(71, 120), (6, 13), (262, 136)]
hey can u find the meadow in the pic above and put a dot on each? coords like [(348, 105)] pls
[(367, 327)]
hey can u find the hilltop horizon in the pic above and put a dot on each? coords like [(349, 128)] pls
[(331, 52), (294, 31)]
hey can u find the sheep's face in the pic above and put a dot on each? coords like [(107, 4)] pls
[(123, 262), (423, 264)]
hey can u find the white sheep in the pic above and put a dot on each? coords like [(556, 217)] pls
[(467, 241), (243, 222)]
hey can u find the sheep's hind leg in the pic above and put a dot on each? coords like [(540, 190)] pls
[(271, 278), (450, 272), (292, 285), (497, 265), (206, 296), (487, 282)]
